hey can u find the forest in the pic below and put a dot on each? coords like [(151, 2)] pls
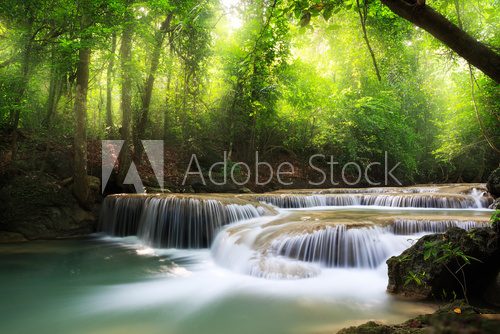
[(352, 79)]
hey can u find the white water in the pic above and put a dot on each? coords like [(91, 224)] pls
[(258, 248), (414, 226), (171, 221), (412, 200), (324, 255)]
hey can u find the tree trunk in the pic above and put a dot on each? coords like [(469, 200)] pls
[(168, 102), (476, 53), (15, 112), (126, 98), (55, 90), (52, 92), (109, 83), (148, 87), (80, 181)]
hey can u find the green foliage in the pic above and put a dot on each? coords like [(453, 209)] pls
[(289, 76), (415, 278), (443, 252), (447, 254), (495, 217)]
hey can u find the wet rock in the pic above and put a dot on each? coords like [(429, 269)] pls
[(456, 317), (493, 184), (36, 206), (11, 237), (59, 163), (491, 292), (495, 205), (209, 187), (411, 275), (371, 327), (245, 190)]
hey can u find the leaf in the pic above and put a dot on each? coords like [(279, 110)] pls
[(327, 12), (427, 254), (306, 18)]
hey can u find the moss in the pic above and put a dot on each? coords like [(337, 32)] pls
[(456, 317), (480, 243)]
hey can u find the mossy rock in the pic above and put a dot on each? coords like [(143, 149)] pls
[(435, 279), (493, 184)]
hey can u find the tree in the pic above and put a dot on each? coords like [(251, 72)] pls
[(80, 180), (420, 14), (126, 90), (148, 86), (109, 82), (451, 35)]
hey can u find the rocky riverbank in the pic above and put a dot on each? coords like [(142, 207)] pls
[(456, 317), (35, 205)]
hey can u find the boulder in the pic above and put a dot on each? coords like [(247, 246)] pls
[(493, 184), (495, 205), (412, 275), (36, 206), (11, 237)]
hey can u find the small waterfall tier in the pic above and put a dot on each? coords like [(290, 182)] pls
[(366, 247), (452, 188), (406, 200), (301, 243), (404, 226), (174, 221), (338, 246)]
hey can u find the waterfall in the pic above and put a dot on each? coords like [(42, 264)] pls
[(171, 221), (381, 190), (415, 200), (479, 197), (283, 247), (307, 201), (367, 247), (422, 201), (414, 226), (236, 248), (339, 246), (120, 215), (293, 244)]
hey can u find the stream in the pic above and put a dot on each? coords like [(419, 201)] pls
[(299, 261)]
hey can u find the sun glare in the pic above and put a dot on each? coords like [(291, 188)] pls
[(232, 16)]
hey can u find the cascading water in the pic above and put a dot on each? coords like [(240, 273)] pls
[(171, 221), (479, 197), (323, 264), (237, 248), (339, 246), (301, 243), (413, 200), (120, 215), (307, 201), (414, 226), (295, 243)]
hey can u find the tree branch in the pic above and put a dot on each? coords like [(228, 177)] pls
[(475, 52)]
